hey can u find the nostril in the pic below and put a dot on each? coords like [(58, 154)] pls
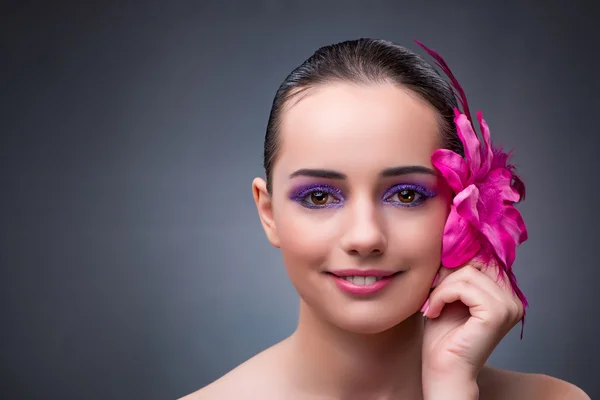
[(363, 242)]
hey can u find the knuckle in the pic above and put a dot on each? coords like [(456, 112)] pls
[(470, 270), (466, 273), (462, 285)]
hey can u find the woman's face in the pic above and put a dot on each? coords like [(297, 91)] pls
[(354, 192)]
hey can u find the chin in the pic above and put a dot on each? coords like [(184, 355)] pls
[(370, 320)]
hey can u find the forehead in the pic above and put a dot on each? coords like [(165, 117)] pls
[(346, 126)]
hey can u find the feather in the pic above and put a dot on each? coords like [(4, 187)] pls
[(439, 60)]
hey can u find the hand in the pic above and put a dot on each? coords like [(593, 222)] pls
[(468, 313)]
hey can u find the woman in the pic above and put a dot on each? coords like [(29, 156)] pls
[(381, 222)]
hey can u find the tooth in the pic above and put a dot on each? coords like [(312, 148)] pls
[(348, 278), (359, 280), (369, 280)]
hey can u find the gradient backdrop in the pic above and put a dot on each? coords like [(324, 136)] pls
[(133, 264)]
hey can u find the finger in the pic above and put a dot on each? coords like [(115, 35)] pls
[(444, 272), (470, 295), (500, 278), (506, 306), (491, 270), (474, 276), (497, 274)]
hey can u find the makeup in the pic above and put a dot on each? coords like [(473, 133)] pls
[(321, 195), (310, 196), (362, 282), (414, 194)]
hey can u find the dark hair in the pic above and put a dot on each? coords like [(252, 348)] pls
[(364, 61)]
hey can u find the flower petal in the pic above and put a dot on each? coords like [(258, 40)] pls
[(502, 242), (466, 204), (459, 244), (452, 167), (514, 224), (470, 142), (487, 152), (501, 180)]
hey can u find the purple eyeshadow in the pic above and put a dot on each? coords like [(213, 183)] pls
[(423, 193), (422, 190), (299, 194)]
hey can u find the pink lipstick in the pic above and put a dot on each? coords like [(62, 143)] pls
[(362, 282)]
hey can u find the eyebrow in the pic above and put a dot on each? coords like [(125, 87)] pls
[(386, 173), (408, 169)]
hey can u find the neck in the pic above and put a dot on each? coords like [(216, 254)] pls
[(347, 365)]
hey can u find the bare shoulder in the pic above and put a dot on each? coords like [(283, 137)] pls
[(256, 378), (500, 384)]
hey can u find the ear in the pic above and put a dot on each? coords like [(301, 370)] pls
[(264, 206)]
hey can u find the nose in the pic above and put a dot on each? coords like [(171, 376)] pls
[(364, 235)]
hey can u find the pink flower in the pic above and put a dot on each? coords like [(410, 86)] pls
[(483, 223)]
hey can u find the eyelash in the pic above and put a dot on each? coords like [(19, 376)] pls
[(422, 192), (300, 196)]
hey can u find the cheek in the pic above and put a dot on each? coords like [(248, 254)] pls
[(306, 238), (417, 238)]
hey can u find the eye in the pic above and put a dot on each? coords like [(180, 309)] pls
[(407, 195), (317, 196)]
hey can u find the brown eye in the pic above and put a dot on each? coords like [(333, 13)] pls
[(319, 198), (406, 196)]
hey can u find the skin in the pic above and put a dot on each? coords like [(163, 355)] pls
[(375, 347)]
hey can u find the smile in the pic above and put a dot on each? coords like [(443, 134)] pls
[(362, 283), (362, 280)]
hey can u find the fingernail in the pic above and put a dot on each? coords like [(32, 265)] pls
[(435, 279), (425, 306)]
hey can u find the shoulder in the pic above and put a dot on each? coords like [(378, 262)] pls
[(500, 384), (257, 378)]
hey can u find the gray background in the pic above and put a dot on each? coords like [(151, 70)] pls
[(132, 260)]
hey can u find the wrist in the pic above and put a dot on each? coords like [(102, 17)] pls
[(450, 388)]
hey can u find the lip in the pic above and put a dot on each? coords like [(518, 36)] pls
[(362, 272), (362, 290)]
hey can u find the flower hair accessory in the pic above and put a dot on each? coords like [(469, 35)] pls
[(483, 224)]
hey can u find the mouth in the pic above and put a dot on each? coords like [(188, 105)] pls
[(362, 281)]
